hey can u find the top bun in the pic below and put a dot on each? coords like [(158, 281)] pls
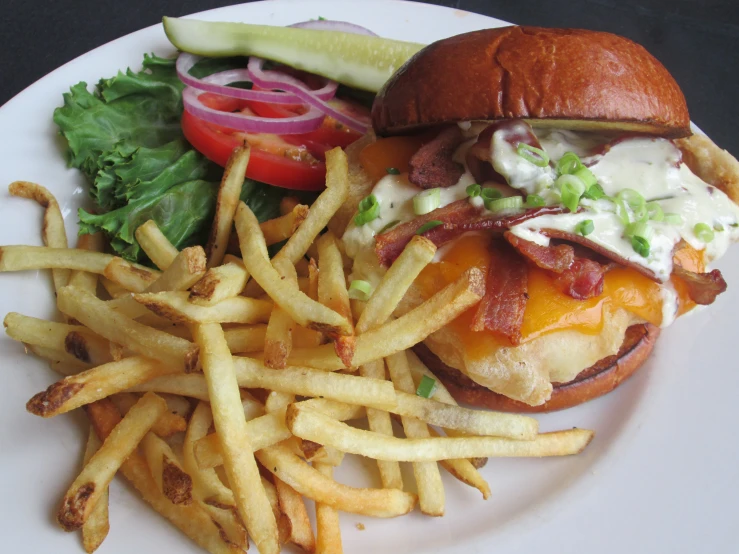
[(565, 78)]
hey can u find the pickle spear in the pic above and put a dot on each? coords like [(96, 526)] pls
[(360, 61)]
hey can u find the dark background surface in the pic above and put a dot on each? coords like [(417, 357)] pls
[(698, 41)]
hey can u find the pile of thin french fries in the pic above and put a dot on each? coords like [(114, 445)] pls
[(220, 386)]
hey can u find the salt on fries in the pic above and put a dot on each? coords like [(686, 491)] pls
[(254, 360)]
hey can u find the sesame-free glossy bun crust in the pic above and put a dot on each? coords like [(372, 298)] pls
[(568, 78), (595, 381)]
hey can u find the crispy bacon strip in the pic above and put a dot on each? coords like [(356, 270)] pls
[(582, 280), (432, 166), (501, 309), (552, 258), (703, 288), (584, 241), (458, 218)]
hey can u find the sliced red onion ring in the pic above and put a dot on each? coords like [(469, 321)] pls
[(217, 84), (299, 124), (273, 79), (328, 25)]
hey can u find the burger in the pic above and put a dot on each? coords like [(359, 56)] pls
[(561, 162)]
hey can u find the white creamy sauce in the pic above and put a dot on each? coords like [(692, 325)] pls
[(650, 166)]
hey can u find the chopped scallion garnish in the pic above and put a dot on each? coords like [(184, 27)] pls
[(392, 170), (673, 219), (426, 201), (428, 226), (509, 203), (473, 190), (490, 193), (595, 192), (568, 164), (640, 246), (703, 232), (532, 154), (427, 387), (369, 209), (635, 201), (718, 227), (360, 290), (585, 227), (654, 212), (571, 188), (535, 201), (586, 176)]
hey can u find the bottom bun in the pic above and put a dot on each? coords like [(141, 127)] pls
[(595, 381)]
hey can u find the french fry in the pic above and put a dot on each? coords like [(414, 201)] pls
[(246, 339), (300, 381), (95, 314), (283, 523), (96, 528), (332, 291), (219, 283), (293, 506), (283, 227), (131, 277), (178, 405), (175, 307), (328, 530), (83, 279), (113, 289), (431, 496), (415, 256), (169, 475), (322, 210), (310, 483), (302, 309), (53, 233), (155, 245), (22, 258), (404, 332), (463, 470), (168, 423), (288, 203), (75, 340), (228, 199), (187, 268), (278, 340), (59, 361), (230, 424), (379, 422), (95, 384), (206, 484), (319, 428), (229, 524), (191, 519), (334, 409), (94, 479)]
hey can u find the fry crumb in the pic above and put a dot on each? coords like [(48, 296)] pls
[(360, 526)]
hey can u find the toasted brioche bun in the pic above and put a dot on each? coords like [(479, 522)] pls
[(597, 380), (565, 78)]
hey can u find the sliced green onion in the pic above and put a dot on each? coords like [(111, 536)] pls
[(426, 201), (635, 201), (673, 219), (595, 192), (428, 226), (735, 225), (369, 209), (509, 203), (654, 212), (638, 229), (703, 232), (621, 211), (586, 176), (490, 193), (360, 290), (474, 190), (388, 226), (427, 387), (585, 227), (532, 154), (535, 201), (568, 164), (718, 227), (571, 189), (640, 246), (392, 170)]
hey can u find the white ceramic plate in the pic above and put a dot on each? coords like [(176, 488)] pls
[(660, 476)]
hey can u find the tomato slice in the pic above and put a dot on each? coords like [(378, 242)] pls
[(288, 161)]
